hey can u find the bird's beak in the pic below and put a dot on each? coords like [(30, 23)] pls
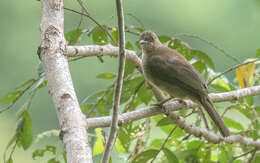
[(143, 42)]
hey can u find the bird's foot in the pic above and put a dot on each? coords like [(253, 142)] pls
[(161, 105), (182, 102)]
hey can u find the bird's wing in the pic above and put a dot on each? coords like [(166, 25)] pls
[(178, 71)]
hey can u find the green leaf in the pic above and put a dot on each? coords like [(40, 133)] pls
[(188, 155), (204, 57), (114, 34), (200, 66), (221, 85), (10, 160), (195, 144), (129, 46), (139, 29), (24, 130), (164, 121), (124, 138), (164, 39), (258, 53), (119, 146), (99, 36), (145, 156), (41, 152), (181, 47), (157, 143), (51, 149), (106, 76), (137, 44), (129, 88), (73, 37), (101, 107), (246, 111), (26, 83), (226, 153), (257, 158), (171, 157), (64, 157), (10, 97), (250, 100), (11, 141), (145, 94), (233, 124), (86, 107), (99, 143), (53, 160), (129, 68), (38, 153)]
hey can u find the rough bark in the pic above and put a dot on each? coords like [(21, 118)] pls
[(71, 120)]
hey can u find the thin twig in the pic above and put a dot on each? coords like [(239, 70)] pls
[(228, 108), (119, 83), (244, 154), (94, 20), (204, 118), (165, 141), (253, 156), (210, 43), (141, 113), (80, 21), (168, 137), (231, 69), (17, 98), (136, 19)]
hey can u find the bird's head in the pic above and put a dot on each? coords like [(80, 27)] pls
[(149, 41)]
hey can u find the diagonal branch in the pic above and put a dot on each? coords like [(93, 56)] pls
[(71, 119), (172, 106), (180, 121), (119, 83)]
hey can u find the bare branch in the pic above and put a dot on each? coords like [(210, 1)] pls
[(171, 106), (119, 83), (71, 119), (210, 135)]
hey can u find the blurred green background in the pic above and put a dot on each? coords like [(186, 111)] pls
[(232, 25)]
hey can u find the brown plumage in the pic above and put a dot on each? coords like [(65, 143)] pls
[(170, 71)]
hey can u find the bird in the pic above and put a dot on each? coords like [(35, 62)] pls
[(168, 70)]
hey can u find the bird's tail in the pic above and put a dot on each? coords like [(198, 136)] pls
[(208, 105)]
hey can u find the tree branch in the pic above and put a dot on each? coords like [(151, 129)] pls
[(119, 83), (53, 45), (210, 135), (109, 50), (171, 106), (180, 121)]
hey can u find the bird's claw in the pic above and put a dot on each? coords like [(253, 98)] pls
[(161, 105), (181, 101)]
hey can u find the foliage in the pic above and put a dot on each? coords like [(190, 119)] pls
[(134, 142)]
